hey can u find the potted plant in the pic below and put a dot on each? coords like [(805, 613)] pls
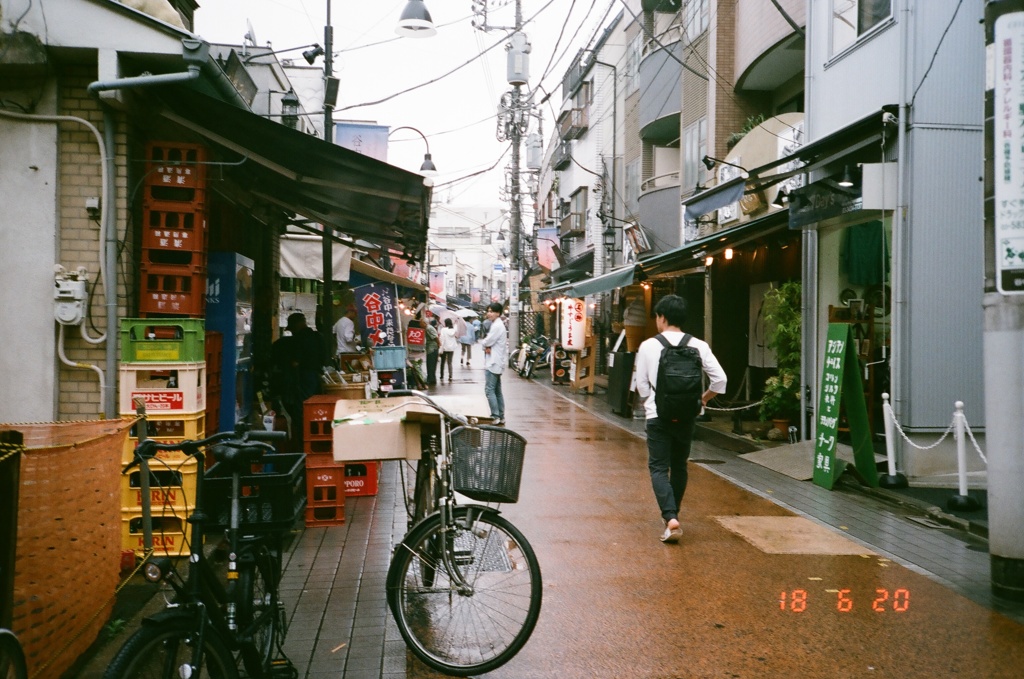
[(781, 402)]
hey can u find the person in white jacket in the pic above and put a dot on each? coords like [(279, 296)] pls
[(449, 345), (495, 357)]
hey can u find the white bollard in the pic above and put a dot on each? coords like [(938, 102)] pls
[(893, 479), (963, 501)]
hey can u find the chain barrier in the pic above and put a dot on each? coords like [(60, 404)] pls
[(977, 448), (896, 424), (729, 410)]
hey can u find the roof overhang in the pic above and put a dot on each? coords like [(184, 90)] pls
[(302, 175)]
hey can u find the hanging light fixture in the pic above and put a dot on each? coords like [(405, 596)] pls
[(728, 253), (310, 55), (415, 21), (427, 167), (847, 180), (709, 260), (290, 109)]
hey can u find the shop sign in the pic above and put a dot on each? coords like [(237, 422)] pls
[(378, 314), (574, 324), (1007, 154), (816, 203)]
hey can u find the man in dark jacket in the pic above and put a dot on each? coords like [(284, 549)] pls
[(298, 359)]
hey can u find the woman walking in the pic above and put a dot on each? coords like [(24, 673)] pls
[(467, 341), (449, 343)]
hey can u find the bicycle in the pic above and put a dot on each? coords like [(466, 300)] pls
[(12, 658), (464, 585), (253, 495)]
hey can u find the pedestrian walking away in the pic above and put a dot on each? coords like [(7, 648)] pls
[(433, 347), (467, 341), (670, 433), (449, 343), (495, 356)]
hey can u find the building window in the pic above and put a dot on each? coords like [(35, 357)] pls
[(853, 18), (696, 19), (695, 147)]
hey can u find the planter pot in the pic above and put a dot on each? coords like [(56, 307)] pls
[(781, 424)]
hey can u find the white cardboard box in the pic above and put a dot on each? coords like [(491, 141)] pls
[(376, 429)]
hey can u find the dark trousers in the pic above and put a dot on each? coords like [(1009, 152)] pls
[(446, 360), (432, 367), (668, 449)]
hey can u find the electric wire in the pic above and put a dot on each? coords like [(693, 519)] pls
[(936, 52)]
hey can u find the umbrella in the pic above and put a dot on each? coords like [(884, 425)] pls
[(442, 313), (466, 313)]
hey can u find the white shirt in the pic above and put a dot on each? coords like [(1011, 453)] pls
[(649, 355), (449, 339), (345, 333), (498, 342)]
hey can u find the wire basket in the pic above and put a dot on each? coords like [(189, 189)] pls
[(487, 463)]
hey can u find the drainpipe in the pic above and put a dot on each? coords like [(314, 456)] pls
[(109, 235), (899, 227)]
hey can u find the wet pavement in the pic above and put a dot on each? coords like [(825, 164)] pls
[(871, 591)]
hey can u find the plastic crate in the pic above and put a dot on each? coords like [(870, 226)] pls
[(317, 428), (171, 533), (273, 494), (361, 478), (175, 165), (177, 290), (173, 226), (326, 515), (166, 429), (388, 358), (183, 258), (168, 340), (171, 486), (214, 359), (164, 387)]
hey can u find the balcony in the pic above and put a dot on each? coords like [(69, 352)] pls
[(659, 207), (661, 93), (572, 225), (572, 123), (562, 156)]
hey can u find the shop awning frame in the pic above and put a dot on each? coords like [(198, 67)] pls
[(612, 280), (302, 175)]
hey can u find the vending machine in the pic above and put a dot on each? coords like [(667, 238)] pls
[(229, 311)]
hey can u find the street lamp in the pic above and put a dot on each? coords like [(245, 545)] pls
[(415, 21), (427, 168), (290, 109)]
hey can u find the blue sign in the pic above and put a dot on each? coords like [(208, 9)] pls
[(379, 323)]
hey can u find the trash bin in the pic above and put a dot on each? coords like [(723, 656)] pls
[(620, 373)]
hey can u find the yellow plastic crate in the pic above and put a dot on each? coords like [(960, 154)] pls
[(166, 429), (172, 486), (171, 533)]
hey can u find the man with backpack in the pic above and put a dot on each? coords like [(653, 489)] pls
[(669, 374)]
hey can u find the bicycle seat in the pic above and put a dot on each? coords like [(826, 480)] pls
[(240, 454)]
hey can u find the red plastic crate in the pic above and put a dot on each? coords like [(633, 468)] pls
[(170, 226), (317, 419), (325, 491), (178, 290), (175, 165), (361, 478), (214, 359)]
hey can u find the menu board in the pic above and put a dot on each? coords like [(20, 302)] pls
[(840, 379)]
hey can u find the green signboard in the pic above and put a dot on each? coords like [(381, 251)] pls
[(841, 384)]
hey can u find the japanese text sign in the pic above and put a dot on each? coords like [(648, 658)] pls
[(1008, 154), (574, 324), (378, 314), (840, 378)]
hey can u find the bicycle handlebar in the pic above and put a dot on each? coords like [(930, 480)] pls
[(430, 402), (239, 437)]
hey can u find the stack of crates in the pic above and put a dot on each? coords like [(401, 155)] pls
[(163, 363), (172, 271), (328, 483)]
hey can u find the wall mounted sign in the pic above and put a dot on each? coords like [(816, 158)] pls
[(574, 324), (1008, 157)]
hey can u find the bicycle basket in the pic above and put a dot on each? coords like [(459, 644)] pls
[(487, 463), (273, 495)]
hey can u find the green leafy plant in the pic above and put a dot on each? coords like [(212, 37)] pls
[(782, 318)]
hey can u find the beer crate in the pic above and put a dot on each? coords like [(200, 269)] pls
[(166, 429), (172, 290), (171, 533), (163, 340), (166, 388), (172, 485)]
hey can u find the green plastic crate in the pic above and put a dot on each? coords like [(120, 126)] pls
[(163, 340)]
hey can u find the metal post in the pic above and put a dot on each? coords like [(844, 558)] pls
[(1004, 315), (327, 315)]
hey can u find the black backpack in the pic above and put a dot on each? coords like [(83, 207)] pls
[(680, 381)]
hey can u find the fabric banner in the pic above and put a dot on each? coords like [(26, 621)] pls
[(303, 257), (378, 314), (437, 284)]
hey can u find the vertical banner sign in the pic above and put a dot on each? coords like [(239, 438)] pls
[(837, 383), (1008, 156), (574, 324), (378, 314)]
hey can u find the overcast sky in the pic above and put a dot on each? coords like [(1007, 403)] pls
[(456, 113)]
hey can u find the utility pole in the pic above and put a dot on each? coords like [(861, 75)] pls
[(1004, 295)]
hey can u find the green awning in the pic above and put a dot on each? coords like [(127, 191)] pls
[(618, 278)]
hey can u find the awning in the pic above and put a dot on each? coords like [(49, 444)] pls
[(689, 254), (617, 278), (306, 176), (816, 155), (302, 257), (575, 269)]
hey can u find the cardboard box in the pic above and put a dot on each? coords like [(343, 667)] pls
[(377, 429)]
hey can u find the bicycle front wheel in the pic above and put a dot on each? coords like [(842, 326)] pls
[(12, 658), (164, 651), (465, 630)]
